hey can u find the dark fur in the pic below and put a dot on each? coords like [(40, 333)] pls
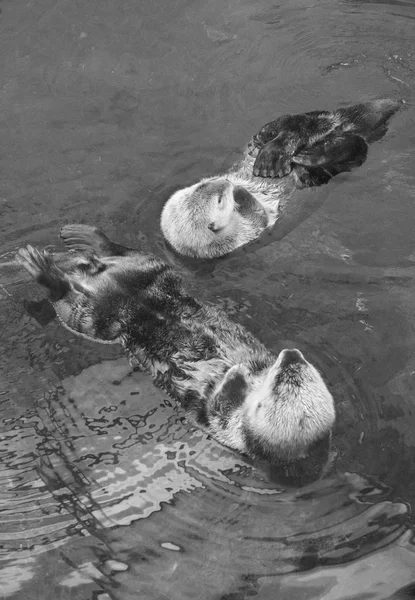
[(320, 144)]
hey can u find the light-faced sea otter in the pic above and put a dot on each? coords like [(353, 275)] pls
[(219, 214), (271, 408)]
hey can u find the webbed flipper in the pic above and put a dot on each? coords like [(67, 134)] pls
[(42, 267), (370, 119), (72, 293), (281, 139), (337, 153), (291, 136), (86, 238)]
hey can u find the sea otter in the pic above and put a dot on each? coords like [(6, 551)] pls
[(219, 214), (269, 408)]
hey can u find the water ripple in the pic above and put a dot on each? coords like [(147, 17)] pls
[(106, 491)]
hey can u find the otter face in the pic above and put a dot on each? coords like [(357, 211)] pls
[(216, 196), (197, 218), (289, 409)]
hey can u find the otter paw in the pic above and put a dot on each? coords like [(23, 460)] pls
[(81, 238), (238, 370), (34, 261), (253, 148), (272, 161)]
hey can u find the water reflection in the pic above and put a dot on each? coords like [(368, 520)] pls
[(107, 493), (115, 452)]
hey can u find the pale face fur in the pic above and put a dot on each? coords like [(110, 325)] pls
[(201, 217), (187, 214), (291, 407)]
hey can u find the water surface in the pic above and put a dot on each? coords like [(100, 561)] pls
[(106, 490)]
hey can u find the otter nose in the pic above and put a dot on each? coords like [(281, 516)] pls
[(290, 357), (212, 226)]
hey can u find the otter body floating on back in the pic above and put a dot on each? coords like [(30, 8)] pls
[(217, 215), (270, 408)]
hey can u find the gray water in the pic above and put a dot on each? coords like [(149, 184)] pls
[(107, 107)]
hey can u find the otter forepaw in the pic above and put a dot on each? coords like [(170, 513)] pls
[(232, 391), (239, 369), (272, 161), (236, 381)]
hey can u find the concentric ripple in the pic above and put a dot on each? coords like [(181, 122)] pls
[(116, 453), (106, 492)]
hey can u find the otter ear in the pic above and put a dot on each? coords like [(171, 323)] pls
[(232, 392)]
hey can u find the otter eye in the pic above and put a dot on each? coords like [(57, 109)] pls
[(220, 200)]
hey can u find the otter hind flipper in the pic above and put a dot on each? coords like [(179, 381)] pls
[(311, 176), (76, 299), (337, 148), (273, 160), (42, 267), (337, 153), (282, 139), (369, 119), (86, 238), (279, 140)]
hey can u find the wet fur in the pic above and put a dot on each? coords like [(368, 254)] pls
[(294, 151), (266, 407)]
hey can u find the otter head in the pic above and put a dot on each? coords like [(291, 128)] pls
[(288, 409), (201, 218)]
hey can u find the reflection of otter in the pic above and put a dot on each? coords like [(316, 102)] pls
[(219, 214), (270, 409)]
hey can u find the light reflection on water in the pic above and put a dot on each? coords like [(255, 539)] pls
[(106, 491), (111, 451)]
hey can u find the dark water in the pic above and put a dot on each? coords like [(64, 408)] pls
[(106, 491)]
